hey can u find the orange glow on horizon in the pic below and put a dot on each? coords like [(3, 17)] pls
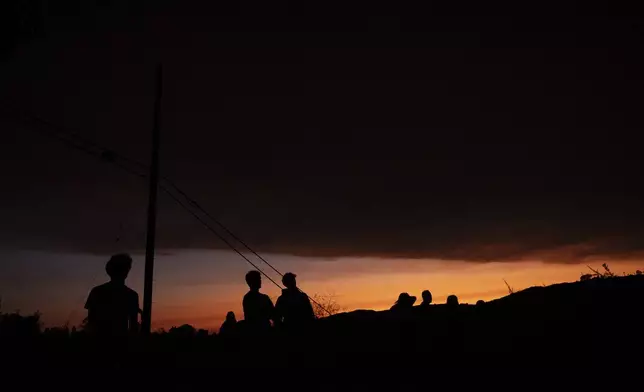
[(378, 290), (199, 287)]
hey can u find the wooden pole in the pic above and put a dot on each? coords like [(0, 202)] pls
[(146, 320)]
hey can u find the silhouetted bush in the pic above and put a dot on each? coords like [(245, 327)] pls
[(606, 273), (184, 331), (16, 325), (325, 305)]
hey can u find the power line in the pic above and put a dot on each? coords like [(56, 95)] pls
[(190, 200), (221, 225), (204, 223), (111, 158), (218, 235), (109, 155)]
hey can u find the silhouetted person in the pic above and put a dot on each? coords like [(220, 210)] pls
[(293, 307), (229, 327), (452, 301), (113, 308), (427, 300), (480, 302), (258, 307), (405, 302)]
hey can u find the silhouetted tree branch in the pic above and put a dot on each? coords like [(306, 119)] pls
[(328, 302)]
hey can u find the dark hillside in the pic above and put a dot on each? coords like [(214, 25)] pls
[(595, 324)]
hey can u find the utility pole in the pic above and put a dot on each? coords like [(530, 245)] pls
[(146, 320)]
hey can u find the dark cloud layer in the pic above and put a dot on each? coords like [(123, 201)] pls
[(472, 136)]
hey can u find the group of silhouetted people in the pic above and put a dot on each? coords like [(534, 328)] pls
[(406, 301), (113, 308), (293, 309)]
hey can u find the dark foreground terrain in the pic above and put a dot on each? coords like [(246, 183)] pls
[(585, 333)]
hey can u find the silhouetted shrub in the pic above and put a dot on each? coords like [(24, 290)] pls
[(17, 325), (184, 331), (326, 305), (606, 273)]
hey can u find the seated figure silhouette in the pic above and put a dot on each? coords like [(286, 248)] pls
[(229, 325), (113, 308), (405, 302), (258, 307), (427, 300), (452, 301), (293, 307)]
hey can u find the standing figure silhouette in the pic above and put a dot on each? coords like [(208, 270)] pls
[(293, 307), (427, 300), (113, 308), (258, 307)]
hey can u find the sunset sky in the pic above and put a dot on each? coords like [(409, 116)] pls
[(198, 287), (372, 151)]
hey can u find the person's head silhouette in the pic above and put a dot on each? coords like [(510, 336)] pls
[(452, 300), (289, 280), (427, 297), (118, 267), (405, 300), (480, 302), (230, 317), (254, 280)]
